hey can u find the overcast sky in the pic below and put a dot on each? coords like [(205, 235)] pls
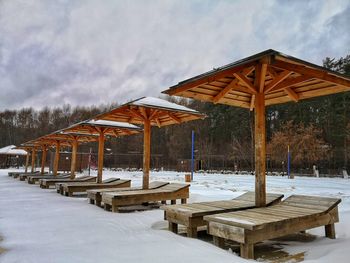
[(85, 52)]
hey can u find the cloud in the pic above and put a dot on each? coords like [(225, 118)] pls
[(92, 52)]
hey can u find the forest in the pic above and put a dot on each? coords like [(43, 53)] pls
[(317, 132)]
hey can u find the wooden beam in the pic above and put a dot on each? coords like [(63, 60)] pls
[(33, 159), (43, 158), (278, 79), (73, 161), (57, 158), (261, 75), (291, 82), (172, 116), (153, 114), (292, 94), (136, 114), (187, 85), (260, 151), (233, 84), (101, 143), (146, 153), (314, 73), (144, 112), (252, 103), (158, 122), (246, 82)]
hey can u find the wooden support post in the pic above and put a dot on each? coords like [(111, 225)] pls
[(330, 231), (43, 159), (173, 227), (33, 160), (219, 241), (73, 162), (146, 152), (57, 158), (192, 232), (101, 143), (247, 251), (260, 151), (27, 162)]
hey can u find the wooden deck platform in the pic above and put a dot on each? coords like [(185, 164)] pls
[(95, 195), (23, 177), (296, 213), (46, 183), (16, 175), (191, 215), (68, 189), (173, 191), (33, 179)]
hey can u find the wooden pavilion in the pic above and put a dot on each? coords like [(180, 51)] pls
[(150, 111), (264, 79), (100, 129), (57, 140)]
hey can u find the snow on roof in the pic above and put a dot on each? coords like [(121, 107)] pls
[(160, 103), (11, 150), (115, 124)]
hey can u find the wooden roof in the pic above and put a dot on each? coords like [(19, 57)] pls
[(160, 112), (64, 139), (111, 128), (280, 77)]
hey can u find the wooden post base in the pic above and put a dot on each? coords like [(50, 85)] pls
[(219, 241), (173, 227), (247, 251), (192, 232), (330, 231)]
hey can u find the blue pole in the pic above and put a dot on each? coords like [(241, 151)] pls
[(288, 163), (192, 156)]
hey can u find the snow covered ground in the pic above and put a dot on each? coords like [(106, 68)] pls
[(39, 225)]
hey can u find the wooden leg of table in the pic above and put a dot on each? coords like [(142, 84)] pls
[(219, 241), (330, 231), (192, 232), (173, 227), (247, 251), (92, 201), (98, 202), (173, 202), (183, 201)]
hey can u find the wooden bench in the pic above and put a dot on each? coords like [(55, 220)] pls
[(172, 191), (46, 183), (23, 177), (295, 214), (68, 189), (33, 179), (191, 215), (16, 175), (95, 195)]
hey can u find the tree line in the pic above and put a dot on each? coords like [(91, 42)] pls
[(317, 132)]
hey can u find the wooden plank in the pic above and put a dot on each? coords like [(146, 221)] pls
[(27, 161), (183, 87)]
